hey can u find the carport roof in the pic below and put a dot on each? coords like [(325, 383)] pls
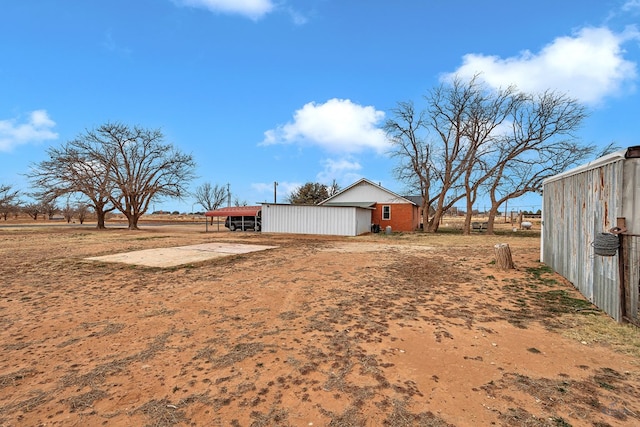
[(235, 211)]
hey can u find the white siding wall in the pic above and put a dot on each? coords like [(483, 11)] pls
[(365, 192), (326, 220), (363, 221)]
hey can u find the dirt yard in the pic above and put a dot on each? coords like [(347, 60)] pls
[(378, 330)]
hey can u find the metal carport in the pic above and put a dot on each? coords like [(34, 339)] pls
[(241, 211)]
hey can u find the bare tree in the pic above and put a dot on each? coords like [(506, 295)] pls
[(80, 166), (82, 210), (333, 188), (447, 117), (502, 143), (48, 203), (210, 197), (541, 144), (608, 149), (9, 201), (485, 114), (33, 209), (142, 168), (406, 132), (237, 202), (438, 165), (117, 167), (68, 211)]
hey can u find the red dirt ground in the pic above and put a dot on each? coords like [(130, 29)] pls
[(400, 330)]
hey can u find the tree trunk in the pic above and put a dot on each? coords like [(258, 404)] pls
[(434, 223), (466, 229), (133, 221), (492, 218), (503, 256), (100, 214)]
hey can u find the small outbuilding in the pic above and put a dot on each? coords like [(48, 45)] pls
[(591, 231), (314, 219), (388, 208)]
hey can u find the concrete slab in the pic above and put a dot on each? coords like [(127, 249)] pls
[(171, 257)]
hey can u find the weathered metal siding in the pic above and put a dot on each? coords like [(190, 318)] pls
[(631, 195), (576, 208), (631, 212), (325, 220), (632, 244)]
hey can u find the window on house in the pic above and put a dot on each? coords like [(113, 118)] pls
[(386, 212)]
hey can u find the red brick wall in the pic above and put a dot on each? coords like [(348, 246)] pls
[(404, 217)]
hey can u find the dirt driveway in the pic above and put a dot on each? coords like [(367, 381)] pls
[(400, 330)]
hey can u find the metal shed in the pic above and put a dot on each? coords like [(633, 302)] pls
[(314, 219), (602, 196)]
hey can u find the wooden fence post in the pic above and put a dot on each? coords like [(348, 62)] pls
[(503, 256)]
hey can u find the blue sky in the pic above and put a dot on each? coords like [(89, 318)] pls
[(295, 90)]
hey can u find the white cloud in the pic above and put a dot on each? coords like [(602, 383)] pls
[(589, 66), (253, 9), (631, 6), (297, 17), (36, 129), (344, 171), (337, 126)]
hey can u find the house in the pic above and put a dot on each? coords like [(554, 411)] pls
[(350, 212), (582, 207), (388, 208)]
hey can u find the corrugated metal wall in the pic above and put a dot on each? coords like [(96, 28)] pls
[(576, 208), (631, 191), (325, 220), (631, 211), (632, 244)]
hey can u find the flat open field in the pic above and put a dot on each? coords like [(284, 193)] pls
[(395, 330)]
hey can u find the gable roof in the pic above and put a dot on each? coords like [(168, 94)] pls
[(235, 211), (327, 202)]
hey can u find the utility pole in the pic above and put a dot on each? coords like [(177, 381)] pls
[(275, 192), (228, 196), (505, 210)]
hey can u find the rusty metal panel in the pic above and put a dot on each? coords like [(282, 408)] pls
[(577, 206)]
